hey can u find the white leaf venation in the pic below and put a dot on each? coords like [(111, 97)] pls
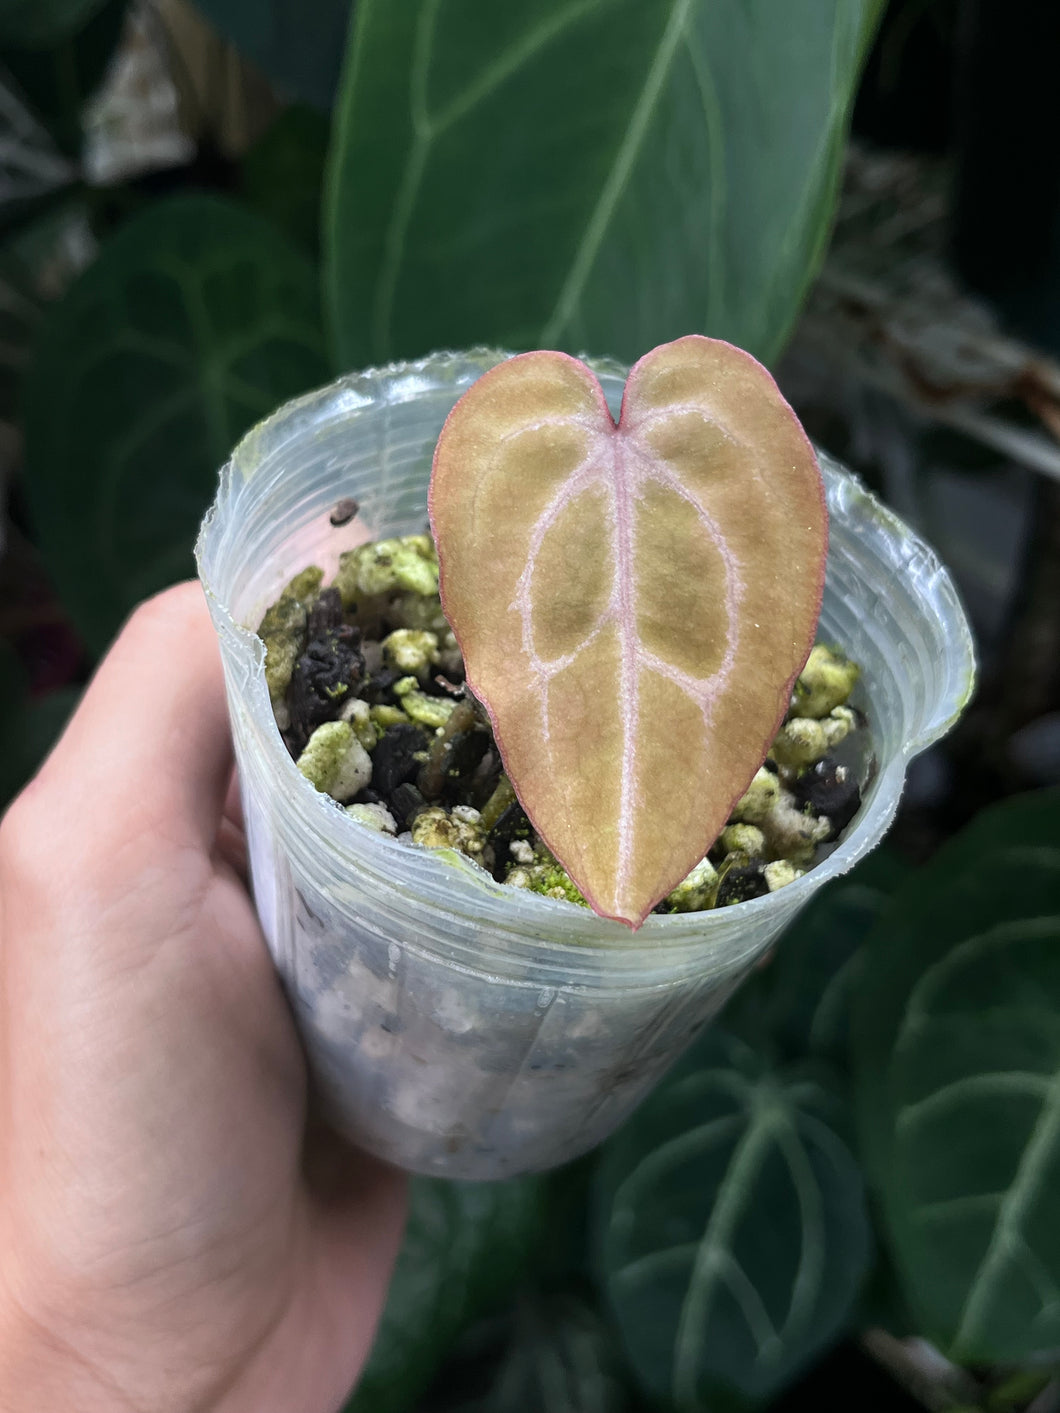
[(623, 469)]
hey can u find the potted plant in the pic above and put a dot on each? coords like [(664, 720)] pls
[(455, 1026)]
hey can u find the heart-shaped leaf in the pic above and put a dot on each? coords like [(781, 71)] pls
[(633, 602), (731, 1227), (957, 1036)]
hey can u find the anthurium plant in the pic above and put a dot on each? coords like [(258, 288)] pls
[(633, 601), (677, 163)]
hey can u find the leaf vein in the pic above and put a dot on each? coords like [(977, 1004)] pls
[(1013, 1208), (691, 1142), (509, 63), (652, 1263), (752, 1307), (806, 1287), (956, 1209), (935, 977), (732, 1198), (971, 1087), (618, 176)]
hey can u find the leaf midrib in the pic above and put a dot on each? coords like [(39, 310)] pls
[(1014, 1205), (618, 176), (732, 1198)]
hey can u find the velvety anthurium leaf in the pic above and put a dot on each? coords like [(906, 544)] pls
[(600, 174), (633, 602), (956, 1033), (732, 1235)]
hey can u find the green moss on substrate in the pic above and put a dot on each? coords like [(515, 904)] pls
[(409, 751)]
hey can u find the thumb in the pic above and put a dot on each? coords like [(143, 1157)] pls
[(148, 751)]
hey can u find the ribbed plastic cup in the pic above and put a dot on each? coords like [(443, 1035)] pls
[(454, 1026)]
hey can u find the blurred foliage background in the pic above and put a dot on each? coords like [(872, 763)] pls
[(850, 1190)]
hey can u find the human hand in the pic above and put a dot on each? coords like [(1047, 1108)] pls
[(169, 1239)]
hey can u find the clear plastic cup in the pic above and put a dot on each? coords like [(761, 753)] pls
[(454, 1026)]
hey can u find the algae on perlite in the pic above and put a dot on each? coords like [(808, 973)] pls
[(438, 781)]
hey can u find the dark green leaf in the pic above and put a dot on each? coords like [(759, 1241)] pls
[(600, 175), (37, 23), (466, 1246), (297, 42), (732, 1228), (283, 173), (800, 1001), (195, 321), (957, 1037)]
